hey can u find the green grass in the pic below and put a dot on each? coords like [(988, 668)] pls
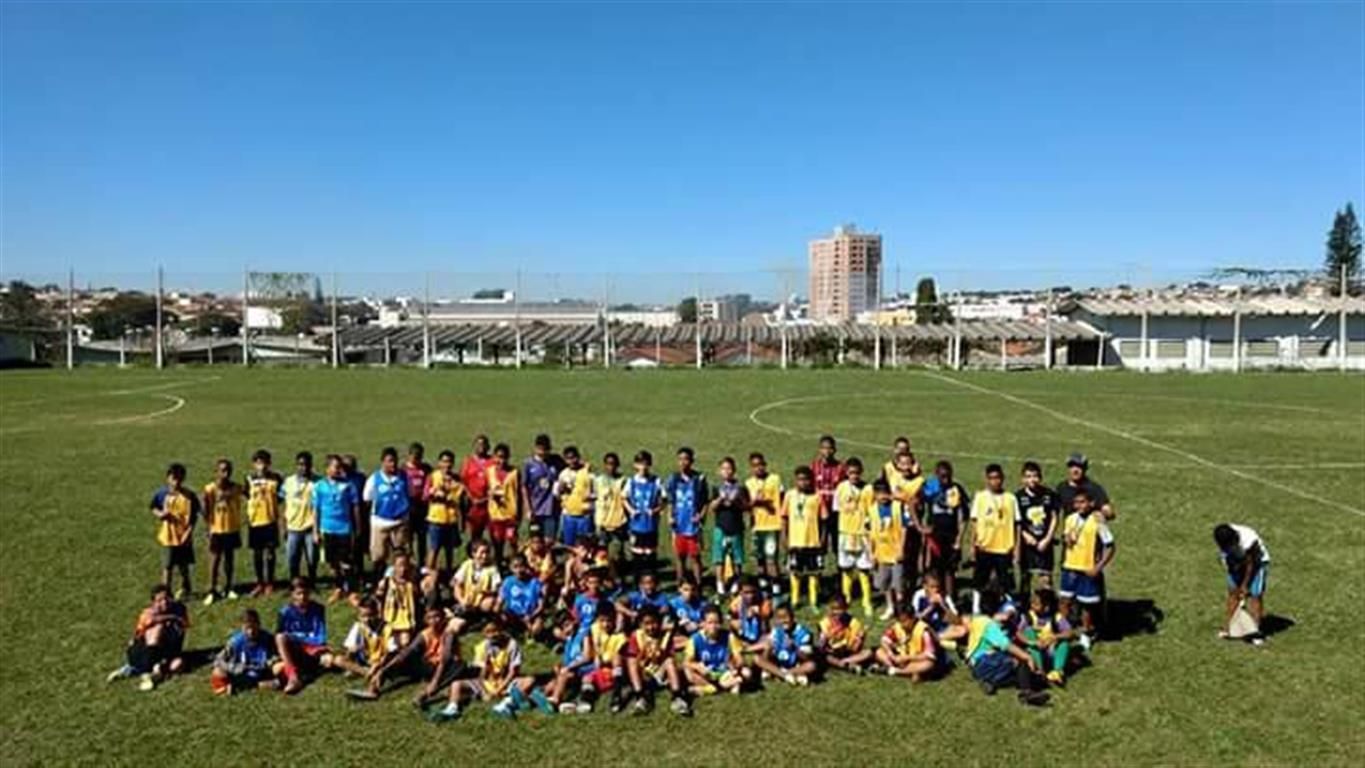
[(77, 555)]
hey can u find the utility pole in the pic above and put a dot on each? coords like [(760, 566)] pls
[(696, 324), (426, 321), (1047, 333), (1341, 323), (516, 310), (160, 349), (336, 340), (246, 314), (71, 318)]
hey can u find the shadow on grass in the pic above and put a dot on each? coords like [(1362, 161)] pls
[(1125, 618), (1274, 625)]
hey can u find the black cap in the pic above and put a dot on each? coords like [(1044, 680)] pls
[(1078, 459)]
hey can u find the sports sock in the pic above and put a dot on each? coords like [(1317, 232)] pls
[(813, 584), (846, 582), (796, 589), (865, 587)]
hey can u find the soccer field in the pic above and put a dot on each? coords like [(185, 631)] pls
[(1285, 453)]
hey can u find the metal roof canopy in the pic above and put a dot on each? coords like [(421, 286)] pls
[(1202, 307)]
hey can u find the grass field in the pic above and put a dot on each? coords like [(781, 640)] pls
[(80, 453)]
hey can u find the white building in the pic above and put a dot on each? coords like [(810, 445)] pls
[(656, 317), (1227, 334)]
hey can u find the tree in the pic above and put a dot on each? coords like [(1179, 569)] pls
[(1343, 248), (687, 310), (127, 310), (927, 307), (20, 308), (300, 315)]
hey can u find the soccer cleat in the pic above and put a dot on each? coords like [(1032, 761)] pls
[(583, 708), (802, 680), (567, 708), (232, 594), (1085, 641), (680, 707), (121, 673), (180, 594), (640, 706), (1056, 678), (210, 598), (789, 679), (1258, 641), (616, 706), (445, 714), (707, 690), (505, 709), (542, 703), (1034, 698), (147, 683), (888, 613), (988, 688)]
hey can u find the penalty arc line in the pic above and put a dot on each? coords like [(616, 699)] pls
[(176, 404), (1116, 432)]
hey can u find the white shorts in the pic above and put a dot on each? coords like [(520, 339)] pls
[(860, 560)]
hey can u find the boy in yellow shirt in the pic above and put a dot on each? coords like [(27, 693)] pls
[(504, 493), (446, 501), (176, 510), (802, 513), (300, 524), (265, 492), (765, 506), (609, 511), (887, 520), (852, 497), (223, 508), (995, 534)]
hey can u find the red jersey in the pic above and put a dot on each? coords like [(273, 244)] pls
[(828, 475), (416, 475), (474, 474)]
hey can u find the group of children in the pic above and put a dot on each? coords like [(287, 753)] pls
[(445, 562)]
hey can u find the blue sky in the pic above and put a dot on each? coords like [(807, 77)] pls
[(991, 144)]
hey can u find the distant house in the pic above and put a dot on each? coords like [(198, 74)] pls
[(1202, 334)]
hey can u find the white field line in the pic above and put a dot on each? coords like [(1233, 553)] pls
[(113, 392), (176, 403), (776, 404), (1116, 432)]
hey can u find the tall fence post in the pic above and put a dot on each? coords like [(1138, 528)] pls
[(160, 348), (1142, 356), (336, 338), (1237, 337), (1004, 354), (1342, 339), (877, 344), (70, 318), (749, 345), (1047, 333), (426, 321), (246, 316), (516, 309)]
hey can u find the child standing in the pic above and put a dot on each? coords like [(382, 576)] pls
[(300, 524), (575, 490), (336, 507), (1088, 548), (886, 523), (687, 495), (609, 509), (765, 502), (446, 500), (1038, 527), (995, 540), (176, 509), (644, 499), (852, 499), (244, 662), (504, 494), (802, 512), (946, 507), (727, 510), (829, 473), (474, 475), (223, 506), (415, 472), (265, 492)]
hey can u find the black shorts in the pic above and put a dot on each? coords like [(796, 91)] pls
[(1001, 566), (263, 536), (608, 535), (943, 557), (1037, 562), (225, 542), (805, 560), (172, 557), (336, 548), (648, 541)]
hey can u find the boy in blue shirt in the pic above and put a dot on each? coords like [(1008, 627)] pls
[(687, 496), (336, 505), (244, 663), (685, 611), (301, 636), (539, 475), (386, 492), (644, 499), (788, 652), (521, 600), (648, 595)]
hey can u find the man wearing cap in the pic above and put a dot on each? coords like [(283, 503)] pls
[(1077, 479)]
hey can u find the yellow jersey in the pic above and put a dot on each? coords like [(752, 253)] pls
[(498, 662), (802, 511), (298, 503), (504, 487), (367, 643), (765, 489), (577, 500), (445, 497), (607, 644), (610, 510), (851, 503), (904, 488), (223, 506), (841, 635), (476, 582), (400, 606), (996, 518), (914, 642), (263, 499), (886, 530), (180, 509), (1086, 537)]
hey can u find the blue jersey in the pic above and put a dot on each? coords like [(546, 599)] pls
[(788, 646), (750, 626), (935, 616), (585, 608), (644, 494), (685, 611), (539, 478), (521, 597), (576, 645), (242, 655), (686, 495), (333, 501), (388, 495), (712, 654), (637, 599), (307, 625)]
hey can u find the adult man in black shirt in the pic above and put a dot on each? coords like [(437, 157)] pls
[(1077, 478)]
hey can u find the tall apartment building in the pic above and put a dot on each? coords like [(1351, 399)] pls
[(845, 272)]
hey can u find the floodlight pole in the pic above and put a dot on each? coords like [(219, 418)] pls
[(1341, 323), (70, 318), (1047, 333), (877, 321), (160, 349), (516, 311), (336, 340), (1237, 333), (696, 320), (957, 332), (1004, 354), (246, 326), (426, 321)]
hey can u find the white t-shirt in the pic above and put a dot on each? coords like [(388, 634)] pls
[(1246, 539)]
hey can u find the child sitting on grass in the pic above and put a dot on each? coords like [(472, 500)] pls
[(788, 652), (842, 639), (366, 644), (910, 648), (244, 664), (158, 639), (995, 660), (1046, 635), (498, 659), (715, 658)]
